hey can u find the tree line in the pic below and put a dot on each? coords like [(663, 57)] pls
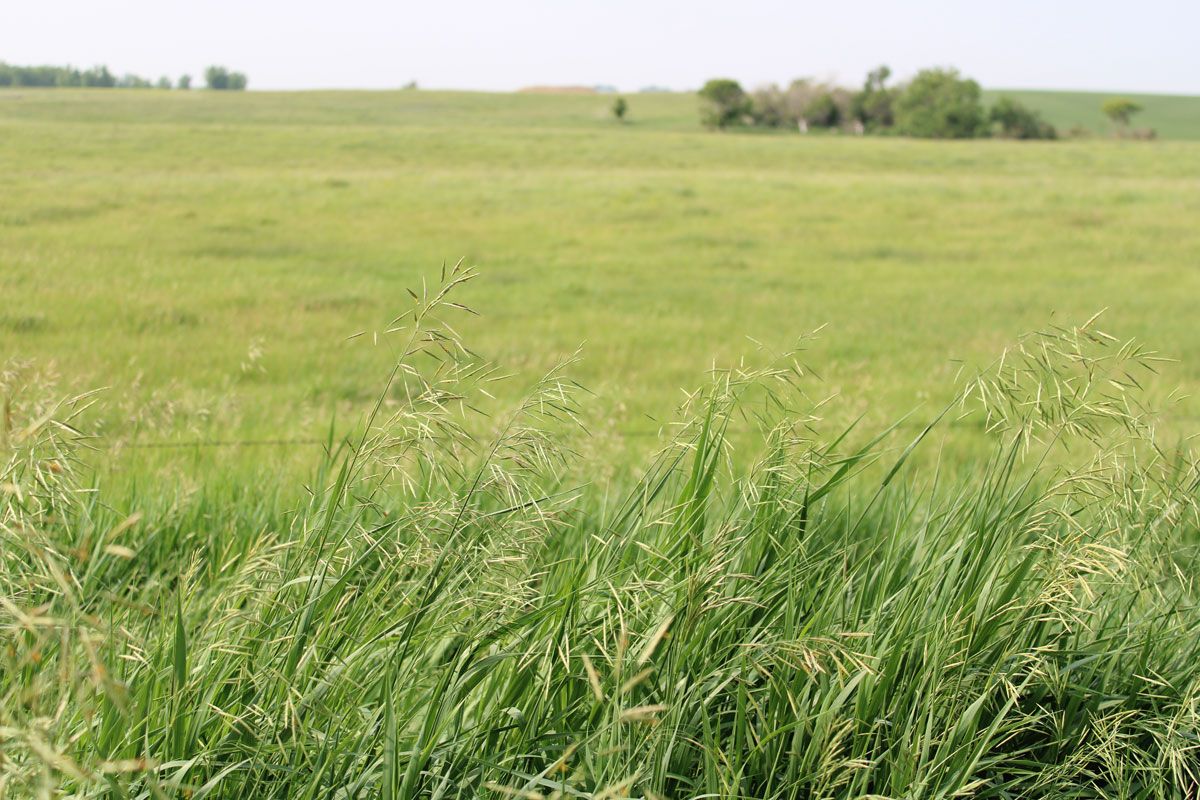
[(937, 104), (101, 77)]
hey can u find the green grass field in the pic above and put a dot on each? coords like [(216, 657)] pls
[(1171, 116), (451, 615), (767, 600), (206, 256)]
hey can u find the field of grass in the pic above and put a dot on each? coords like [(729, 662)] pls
[(766, 599), (1171, 116), (449, 616), (206, 256)]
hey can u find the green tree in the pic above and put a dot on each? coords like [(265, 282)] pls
[(800, 93), (620, 108), (216, 78), (823, 111), (12, 75), (222, 79), (98, 77), (1120, 110), (185, 82), (69, 76), (768, 107), (725, 103), (163, 83), (941, 104), (1013, 120), (874, 105), (131, 81)]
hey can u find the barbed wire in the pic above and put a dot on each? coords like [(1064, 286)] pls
[(162, 445), (217, 443)]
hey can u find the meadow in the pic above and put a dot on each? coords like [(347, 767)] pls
[(207, 256), (653, 561), (1170, 116)]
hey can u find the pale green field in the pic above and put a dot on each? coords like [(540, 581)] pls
[(455, 607), (1171, 116), (151, 242)]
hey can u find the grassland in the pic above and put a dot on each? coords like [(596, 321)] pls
[(450, 616), (1171, 116), (206, 256), (447, 604)]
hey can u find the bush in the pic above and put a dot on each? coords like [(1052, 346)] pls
[(941, 104), (1140, 134), (620, 108), (725, 103), (1013, 120)]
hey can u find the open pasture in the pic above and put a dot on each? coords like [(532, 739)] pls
[(443, 606), (207, 255)]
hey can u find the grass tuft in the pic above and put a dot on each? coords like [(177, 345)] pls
[(456, 614)]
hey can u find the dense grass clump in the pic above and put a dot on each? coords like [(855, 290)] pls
[(457, 615)]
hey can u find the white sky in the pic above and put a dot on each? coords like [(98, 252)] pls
[(1150, 46)]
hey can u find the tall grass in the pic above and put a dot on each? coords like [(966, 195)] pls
[(452, 614)]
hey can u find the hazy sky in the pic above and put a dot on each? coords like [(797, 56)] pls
[(1152, 45)]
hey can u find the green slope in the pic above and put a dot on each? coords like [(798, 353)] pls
[(477, 111), (1171, 116)]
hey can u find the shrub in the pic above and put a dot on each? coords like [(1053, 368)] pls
[(941, 104), (1013, 120), (620, 108), (725, 103)]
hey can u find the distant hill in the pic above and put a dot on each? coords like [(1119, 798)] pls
[(558, 90), (1172, 116)]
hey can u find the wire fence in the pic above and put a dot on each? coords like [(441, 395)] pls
[(219, 443), (167, 445)]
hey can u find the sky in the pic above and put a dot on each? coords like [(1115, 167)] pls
[(1102, 45)]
